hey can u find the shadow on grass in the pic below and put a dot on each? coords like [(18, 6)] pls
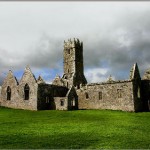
[(70, 141), (65, 141)]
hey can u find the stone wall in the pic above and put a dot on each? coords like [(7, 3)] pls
[(47, 94), (28, 79), (17, 98), (72, 99), (10, 81), (73, 63), (145, 94), (61, 103), (115, 96), (145, 90), (136, 79)]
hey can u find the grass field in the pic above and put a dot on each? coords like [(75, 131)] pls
[(74, 129)]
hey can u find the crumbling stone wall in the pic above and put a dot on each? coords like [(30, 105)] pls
[(145, 90), (115, 96), (145, 94), (17, 99), (61, 103), (72, 99), (29, 79), (10, 81), (49, 97), (136, 79)]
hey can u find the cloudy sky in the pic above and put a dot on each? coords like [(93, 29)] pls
[(115, 35)]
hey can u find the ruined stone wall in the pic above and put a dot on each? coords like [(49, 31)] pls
[(28, 78), (145, 90), (115, 96), (17, 99), (145, 94), (61, 103), (136, 80), (11, 82), (48, 96), (138, 103), (72, 99)]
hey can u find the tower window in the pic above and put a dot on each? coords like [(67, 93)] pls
[(100, 95), (26, 92), (8, 93), (68, 51), (86, 95)]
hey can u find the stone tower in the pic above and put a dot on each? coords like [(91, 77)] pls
[(73, 63)]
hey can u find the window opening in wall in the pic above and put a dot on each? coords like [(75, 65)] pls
[(73, 102), (78, 86), (26, 92), (68, 70), (67, 85), (138, 93), (119, 93), (8, 93), (86, 95), (61, 102), (47, 99), (68, 51), (100, 95)]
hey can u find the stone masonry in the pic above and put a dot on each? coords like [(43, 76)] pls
[(71, 91)]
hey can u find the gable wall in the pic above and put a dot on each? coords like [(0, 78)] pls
[(11, 82), (17, 93)]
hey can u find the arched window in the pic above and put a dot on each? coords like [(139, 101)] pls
[(86, 95), (26, 92), (8, 93)]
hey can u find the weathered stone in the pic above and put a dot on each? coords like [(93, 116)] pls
[(47, 94), (73, 63), (146, 75), (40, 80), (116, 96), (72, 91)]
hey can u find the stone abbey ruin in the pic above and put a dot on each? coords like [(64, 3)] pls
[(71, 91)]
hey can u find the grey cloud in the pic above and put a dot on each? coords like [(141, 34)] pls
[(114, 37), (47, 52), (120, 58)]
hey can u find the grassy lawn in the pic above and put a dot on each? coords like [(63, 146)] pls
[(74, 129)]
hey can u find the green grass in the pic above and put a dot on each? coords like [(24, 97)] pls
[(74, 129)]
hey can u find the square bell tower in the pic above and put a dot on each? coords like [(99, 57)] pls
[(73, 63)]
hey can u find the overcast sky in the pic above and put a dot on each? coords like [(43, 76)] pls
[(115, 35)]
